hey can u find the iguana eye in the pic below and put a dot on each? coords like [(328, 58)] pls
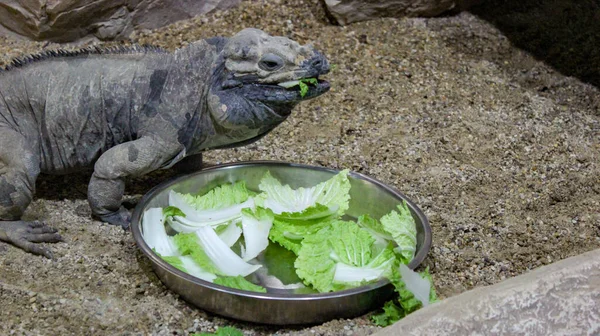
[(270, 62)]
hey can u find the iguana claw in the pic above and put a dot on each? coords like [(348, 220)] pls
[(24, 235), (121, 217)]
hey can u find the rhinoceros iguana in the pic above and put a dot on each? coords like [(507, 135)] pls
[(131, 110)]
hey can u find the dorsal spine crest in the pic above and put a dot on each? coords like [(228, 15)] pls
[(93, 50)]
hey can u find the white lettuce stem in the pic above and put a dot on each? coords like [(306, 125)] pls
[(193, 269), (221, 255), (155, 235), (348, 273), (256, 235), (231, 234), (206, 217), (416, 284)]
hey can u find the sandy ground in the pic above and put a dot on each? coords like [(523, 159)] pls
[(498, 148)]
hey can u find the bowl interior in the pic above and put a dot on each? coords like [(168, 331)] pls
[(367, 196)]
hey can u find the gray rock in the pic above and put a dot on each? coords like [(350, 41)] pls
[(71, 20), (348, 11), (558, 299)]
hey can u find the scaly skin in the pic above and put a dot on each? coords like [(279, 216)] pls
[(131, 111)]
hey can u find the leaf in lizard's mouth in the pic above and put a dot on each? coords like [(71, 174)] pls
[(289, 84), (284, 92), (307, 85)]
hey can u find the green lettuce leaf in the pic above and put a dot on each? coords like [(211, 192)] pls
[(352, 246), (333, 194), (174, 261), (407, 300), (303, 83), (380, 266), (433, 294), (375, 228), (303, 211), (222, 331), (188, 244), (341, 256), (402, 227), (317, 212), (188, 265), (239, 282), (290, 234), (219, 206), (391, 314), (171, 211), (211, 253), (405, 303), (223, 196), (314, 264)]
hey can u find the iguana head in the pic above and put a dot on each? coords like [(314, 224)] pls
[(252, 91), (267, 64)]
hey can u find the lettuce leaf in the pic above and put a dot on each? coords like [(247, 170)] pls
[(391, 314), (223, 196), (303, 211), (402, 227), (155, 235), (225, 260), (432, 294), (217, 207), (333, 194), (222, 331), (171, 211), (314, 264), (188, 265), (195, 218), (342, 256), (375, 228), (188, 245), (313, 213), (415, 290), (417, 284), (290, 234), (229, 233), (352, 246), (256, 226), (212, 254), (303, 83), (239, 282), (167, 247)]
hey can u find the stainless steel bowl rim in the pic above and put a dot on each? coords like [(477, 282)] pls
[(137, 234)]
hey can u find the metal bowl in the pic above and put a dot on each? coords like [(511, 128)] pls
[(279, 306)]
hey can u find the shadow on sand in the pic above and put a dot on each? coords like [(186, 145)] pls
[(564, 34)]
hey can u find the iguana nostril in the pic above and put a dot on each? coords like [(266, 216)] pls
[(318, 63)]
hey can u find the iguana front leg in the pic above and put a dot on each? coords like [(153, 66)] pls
[(130, 159), (190, 164), (19, 168)]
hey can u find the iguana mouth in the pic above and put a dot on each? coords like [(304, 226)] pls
[(295, 90), (287, 91), (307, 87)]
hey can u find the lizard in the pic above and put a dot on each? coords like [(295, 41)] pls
[(127, 111)]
